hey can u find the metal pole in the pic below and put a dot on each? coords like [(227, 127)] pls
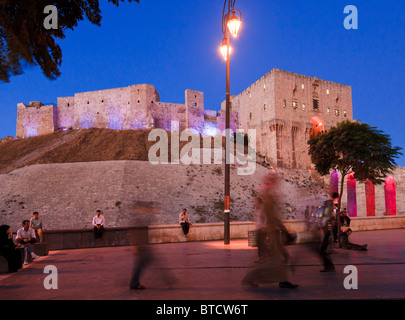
[(227, 201)]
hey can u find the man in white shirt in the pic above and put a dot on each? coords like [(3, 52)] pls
[(98, 223), (184, 221), (25, 237)]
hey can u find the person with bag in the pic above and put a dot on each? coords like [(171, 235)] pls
[(272, 265), (327, 222)]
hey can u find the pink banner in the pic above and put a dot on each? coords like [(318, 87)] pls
[(351, 195), (370, 198), (390, 196)]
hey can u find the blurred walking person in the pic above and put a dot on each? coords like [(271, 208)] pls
[(272, 265), (327, 223), (145, 258)]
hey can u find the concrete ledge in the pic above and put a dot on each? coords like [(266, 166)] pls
[(377, 223), (83, 238), (198, 232), (239, 230), (40, 248)]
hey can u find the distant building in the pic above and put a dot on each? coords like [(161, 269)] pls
[(279, 106)]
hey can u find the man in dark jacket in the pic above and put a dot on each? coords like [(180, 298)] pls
[(8, 249), (344, 242)]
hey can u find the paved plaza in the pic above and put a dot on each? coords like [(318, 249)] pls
[(213, 271)]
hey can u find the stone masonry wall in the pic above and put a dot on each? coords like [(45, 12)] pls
[(132, 193), (280, 106), (133, 107), (35, 119), (65, 113)]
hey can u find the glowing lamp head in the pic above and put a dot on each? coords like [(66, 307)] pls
[(225, 49), (234, 25)]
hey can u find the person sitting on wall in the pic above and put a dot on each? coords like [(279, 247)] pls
[(345, 244), (98, 223), (36, 224), (184, 221), (25, 238)]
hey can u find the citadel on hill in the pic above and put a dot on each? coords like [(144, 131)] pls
[(278, 106)]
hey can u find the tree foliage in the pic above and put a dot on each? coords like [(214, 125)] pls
[(24, 39), (354, 147)]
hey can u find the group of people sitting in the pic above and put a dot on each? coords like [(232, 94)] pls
[(30, 233), (345, 232), (341, 237)]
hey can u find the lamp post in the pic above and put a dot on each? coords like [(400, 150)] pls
[(230, 27)]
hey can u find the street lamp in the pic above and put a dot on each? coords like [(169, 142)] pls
[(230, 26)]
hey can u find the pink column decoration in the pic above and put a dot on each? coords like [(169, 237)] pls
[(334, 183), (390, 196), (370, 198), (351, 195)]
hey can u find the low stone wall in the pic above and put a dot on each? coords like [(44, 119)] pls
[(83, 238), (377, 223), (198, 232)]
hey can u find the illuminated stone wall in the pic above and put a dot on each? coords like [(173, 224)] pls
[(35, 119), (280, 106), (133, 107)]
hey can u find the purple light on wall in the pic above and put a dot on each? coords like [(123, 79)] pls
[(210, 129), (86, 123), (31, 129), (136, 124), (115, 121), (351, 195), (390, 196)]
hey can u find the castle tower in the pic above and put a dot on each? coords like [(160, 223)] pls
[(280, 106), (143, 100), (194, 102), (35, 119)]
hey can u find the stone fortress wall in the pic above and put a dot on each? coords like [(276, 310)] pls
[(280, 106), (133, 107)]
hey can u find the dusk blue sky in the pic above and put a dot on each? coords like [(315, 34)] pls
[(174, 46)]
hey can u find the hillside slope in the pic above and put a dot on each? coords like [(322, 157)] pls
[(67, 176)]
